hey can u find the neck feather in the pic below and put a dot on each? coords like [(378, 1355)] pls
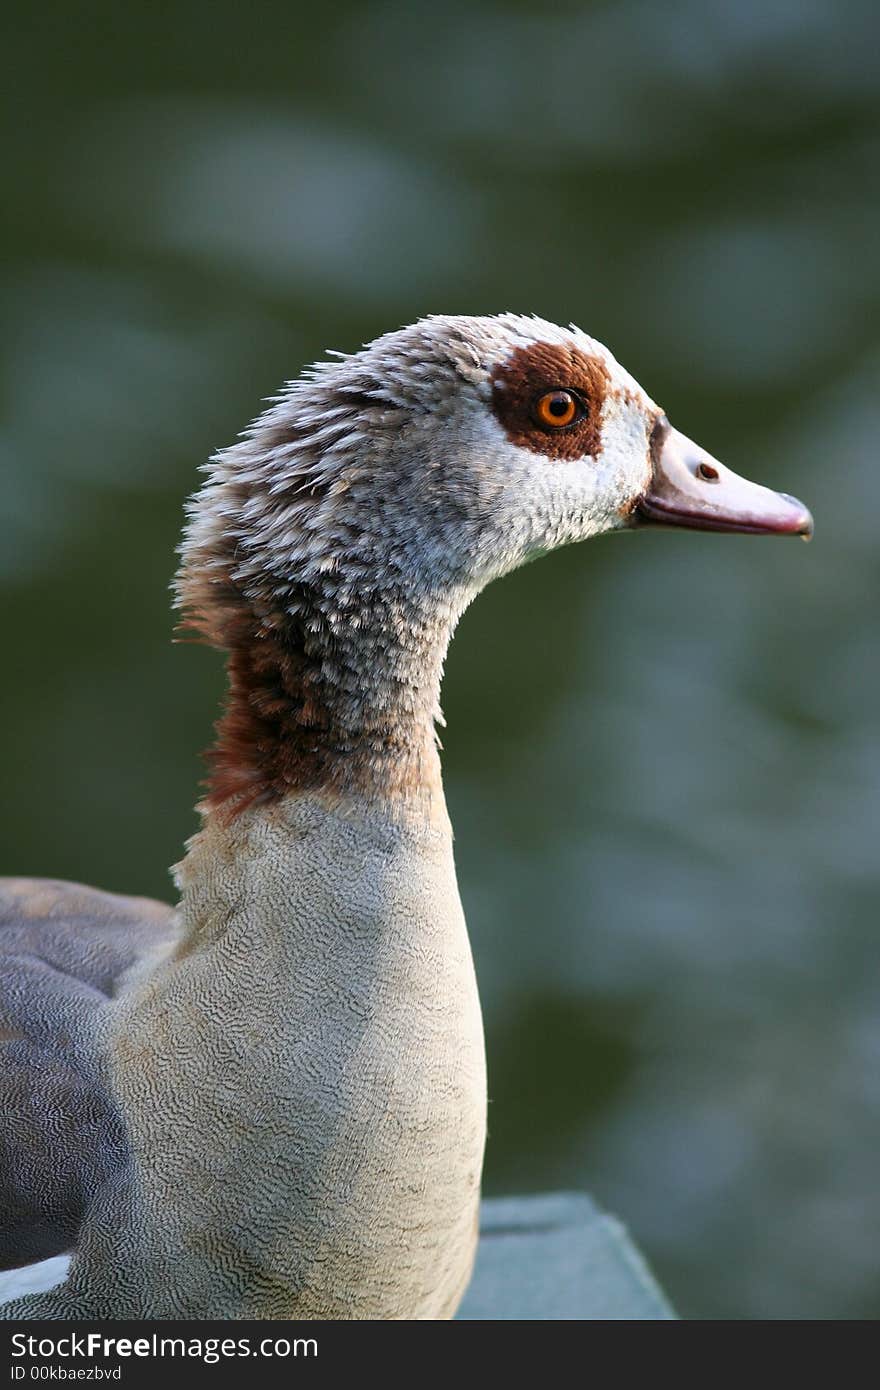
[(299, 560), (325, 700)]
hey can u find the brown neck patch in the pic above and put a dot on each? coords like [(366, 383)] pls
[(291, 723), (532, 371)]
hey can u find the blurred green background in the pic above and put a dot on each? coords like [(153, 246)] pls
[(663, 753)]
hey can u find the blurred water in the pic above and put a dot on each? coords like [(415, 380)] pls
[(675, 929)]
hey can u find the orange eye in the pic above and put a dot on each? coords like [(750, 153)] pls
[(556, 409)]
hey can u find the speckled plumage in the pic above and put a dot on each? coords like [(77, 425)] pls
[(290, 1075), (301, 1080), (64, 950)]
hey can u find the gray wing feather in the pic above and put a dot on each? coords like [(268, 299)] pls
[(64, 951)]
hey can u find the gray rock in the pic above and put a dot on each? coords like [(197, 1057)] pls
[(557, 1256)]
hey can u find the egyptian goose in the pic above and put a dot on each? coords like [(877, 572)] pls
[(271, 1101)]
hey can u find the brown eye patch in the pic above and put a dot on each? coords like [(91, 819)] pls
[(521, 393)]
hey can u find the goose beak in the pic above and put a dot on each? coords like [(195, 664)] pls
[(690, 488)]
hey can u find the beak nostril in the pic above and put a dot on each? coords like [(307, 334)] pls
[(707, 473)]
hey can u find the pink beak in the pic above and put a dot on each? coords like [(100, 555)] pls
[(690, 488)]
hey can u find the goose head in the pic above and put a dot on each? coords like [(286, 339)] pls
[(333, 548)]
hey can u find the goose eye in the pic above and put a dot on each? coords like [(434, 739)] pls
[(556, 409)]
